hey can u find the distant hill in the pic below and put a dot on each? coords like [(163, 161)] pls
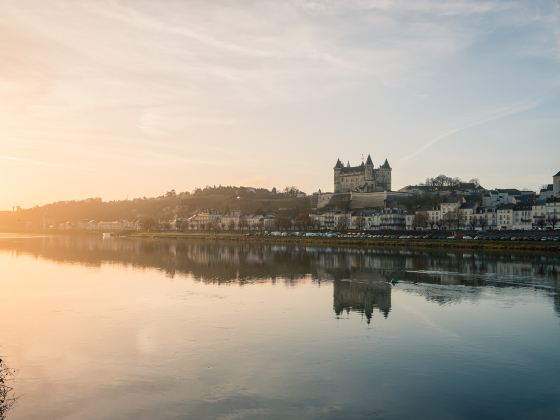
[(247, 200)]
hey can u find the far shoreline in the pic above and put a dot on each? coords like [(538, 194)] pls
[(548, 247), (459, 244)]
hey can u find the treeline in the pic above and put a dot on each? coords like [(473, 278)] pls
[(444, 182), (224, 199)]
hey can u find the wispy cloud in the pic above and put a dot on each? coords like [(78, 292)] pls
[(496, 115)]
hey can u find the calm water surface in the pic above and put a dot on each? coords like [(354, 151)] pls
[(158, 329)]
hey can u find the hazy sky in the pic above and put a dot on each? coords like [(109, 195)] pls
[(131, 98)]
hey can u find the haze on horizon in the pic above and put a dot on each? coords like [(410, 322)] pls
[(115, 98)]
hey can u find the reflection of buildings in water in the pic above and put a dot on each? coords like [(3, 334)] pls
[(362, 297), (243, 263)]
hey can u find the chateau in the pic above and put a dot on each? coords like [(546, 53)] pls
[(362, 178)]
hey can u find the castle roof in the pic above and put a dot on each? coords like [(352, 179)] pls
[(386, 164), (352, 169), (558, 174), (369, 161), (338, 164)]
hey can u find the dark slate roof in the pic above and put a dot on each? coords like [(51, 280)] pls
[(549, 187), (352, 169), (506, 207), (511, 191), (558, 174), (369, 161), (338, 164), (386, 164)]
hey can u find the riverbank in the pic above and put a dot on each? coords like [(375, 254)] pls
[(427, 244)]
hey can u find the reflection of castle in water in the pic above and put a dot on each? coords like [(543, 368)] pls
[(362, 297), (359, 275)]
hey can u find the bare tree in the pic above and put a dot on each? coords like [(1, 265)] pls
[(420, 219), (283, 223), (541, 222), (148, 223), (303, 221), (552, 220), (360, 222), (184, 226), (482, 221), (342, 224), (243, 223), (7, 399), (291, 190), (473, 221), (213, 224)]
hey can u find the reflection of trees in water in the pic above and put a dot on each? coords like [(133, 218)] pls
[(362, 297), (242, 263), (7, 399)]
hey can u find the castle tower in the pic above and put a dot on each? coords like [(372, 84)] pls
[(337, 169), (385, 175), (369, 169)]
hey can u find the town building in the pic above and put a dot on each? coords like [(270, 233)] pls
[(362, 178)]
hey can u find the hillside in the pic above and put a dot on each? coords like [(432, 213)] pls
[(223, 199)]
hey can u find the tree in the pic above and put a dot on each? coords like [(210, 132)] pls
[(541, 222), (213, 224), (473, 222), (553, 219), (303, 221), (184, 226), (148, 223), (482, 222), (291, 190), (360, 222), (476, 182), (243, 223), (283, 223), (7, 399), (231, 225), (420, 219), (443, 182), (341, 224), (454, 219)]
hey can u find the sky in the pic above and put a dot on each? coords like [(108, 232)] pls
[(129, 98)]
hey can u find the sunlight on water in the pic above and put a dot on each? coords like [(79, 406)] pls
[(150, 329)]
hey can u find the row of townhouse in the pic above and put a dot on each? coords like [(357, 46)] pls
[(543, 214), (382, 219), (211, 220)]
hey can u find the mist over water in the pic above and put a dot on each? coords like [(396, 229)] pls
[(129, 328)]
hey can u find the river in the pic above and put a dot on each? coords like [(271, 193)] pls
[(97, 328)]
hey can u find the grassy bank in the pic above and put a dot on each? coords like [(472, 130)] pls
[(427, 244)]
